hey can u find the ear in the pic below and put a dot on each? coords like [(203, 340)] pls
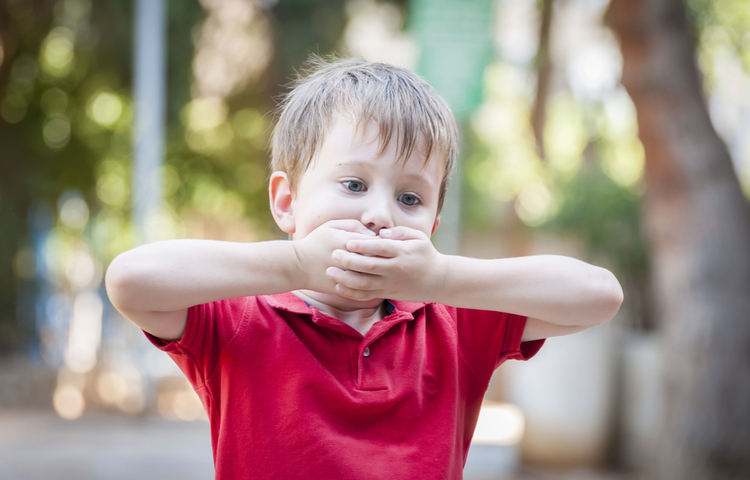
[(280, 192), (435, 225)]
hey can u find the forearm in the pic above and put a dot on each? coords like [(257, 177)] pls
[(177, 274), (556, 289)]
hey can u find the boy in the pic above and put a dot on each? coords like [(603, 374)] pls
[(355, 350)]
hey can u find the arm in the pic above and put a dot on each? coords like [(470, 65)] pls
[(559, 295), (154, 285)]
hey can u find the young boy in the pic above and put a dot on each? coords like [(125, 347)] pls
[(355, 350)]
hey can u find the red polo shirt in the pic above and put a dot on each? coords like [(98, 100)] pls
[(293, 393)]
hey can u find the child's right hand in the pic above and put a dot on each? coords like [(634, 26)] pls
[(314, 252)]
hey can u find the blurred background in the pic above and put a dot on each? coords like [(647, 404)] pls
[(615, 131)]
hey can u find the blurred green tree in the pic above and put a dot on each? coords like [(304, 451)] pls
[(66, 108)]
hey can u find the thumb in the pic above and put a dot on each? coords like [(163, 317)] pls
[(402, 233)]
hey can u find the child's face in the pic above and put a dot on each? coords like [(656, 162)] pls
[(349, 180)]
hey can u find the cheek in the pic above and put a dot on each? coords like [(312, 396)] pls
[(422, 222), (314, 212)]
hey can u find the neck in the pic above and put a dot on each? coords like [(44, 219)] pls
[(360, 315)]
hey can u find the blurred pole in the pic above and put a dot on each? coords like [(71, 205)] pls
[(456, 45), (148, 143), (148, 132)]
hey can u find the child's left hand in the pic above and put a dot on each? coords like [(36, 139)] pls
[(400, 264)]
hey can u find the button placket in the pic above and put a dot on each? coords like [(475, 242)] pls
[(368, 377)]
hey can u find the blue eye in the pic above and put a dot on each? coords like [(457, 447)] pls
[(408, 199), (354, 186)]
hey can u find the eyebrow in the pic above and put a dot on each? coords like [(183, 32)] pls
[(355, 161), (359, 162), (415, 177), (366, 163)]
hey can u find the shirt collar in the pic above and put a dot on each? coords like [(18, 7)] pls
[(292, 303), (289, 302)]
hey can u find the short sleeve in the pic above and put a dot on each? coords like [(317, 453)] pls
[(487, 339), (208, 329)]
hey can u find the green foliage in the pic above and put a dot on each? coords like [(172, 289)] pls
[(722, 30), (67, 108), (607, 216), (304, 27)]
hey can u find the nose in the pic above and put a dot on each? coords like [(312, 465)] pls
[(377, 213)]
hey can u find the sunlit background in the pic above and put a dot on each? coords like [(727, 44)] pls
[(567, 180)]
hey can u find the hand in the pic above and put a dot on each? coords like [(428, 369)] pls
[(400, 264), (314, 252)]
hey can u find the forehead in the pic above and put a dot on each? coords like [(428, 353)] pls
[(347, 142)]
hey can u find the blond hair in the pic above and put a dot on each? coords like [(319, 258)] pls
[(404, 106)]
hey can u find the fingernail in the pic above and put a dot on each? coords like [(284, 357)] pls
[(329, 272), (350, 245), (384, 232), (336, 255)]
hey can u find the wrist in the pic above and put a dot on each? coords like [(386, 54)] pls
[(438, 286), (297, 274)]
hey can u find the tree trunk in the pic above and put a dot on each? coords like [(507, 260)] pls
[(698, 225), (544, 72)]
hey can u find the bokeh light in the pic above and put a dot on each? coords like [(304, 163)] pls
[(499, 424), (58, 52), (105, 108), (81, 269), (233, 48), (111, 189), (122, 388), (134, 401), (594, 70), (56, 131), (375, 32), (207, 129), (112, 387), (535, 204), (565, 135), (178, 401), (74, 212), (69, 402), (85, 332), (624, 162), (205, 113)]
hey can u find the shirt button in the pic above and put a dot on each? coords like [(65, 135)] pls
[(366, 353)]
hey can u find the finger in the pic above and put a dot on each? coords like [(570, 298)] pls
[(402, 233), (375, 246), (360, 236), (354, 280), (357, 263), (349, 225), (358, 294)]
